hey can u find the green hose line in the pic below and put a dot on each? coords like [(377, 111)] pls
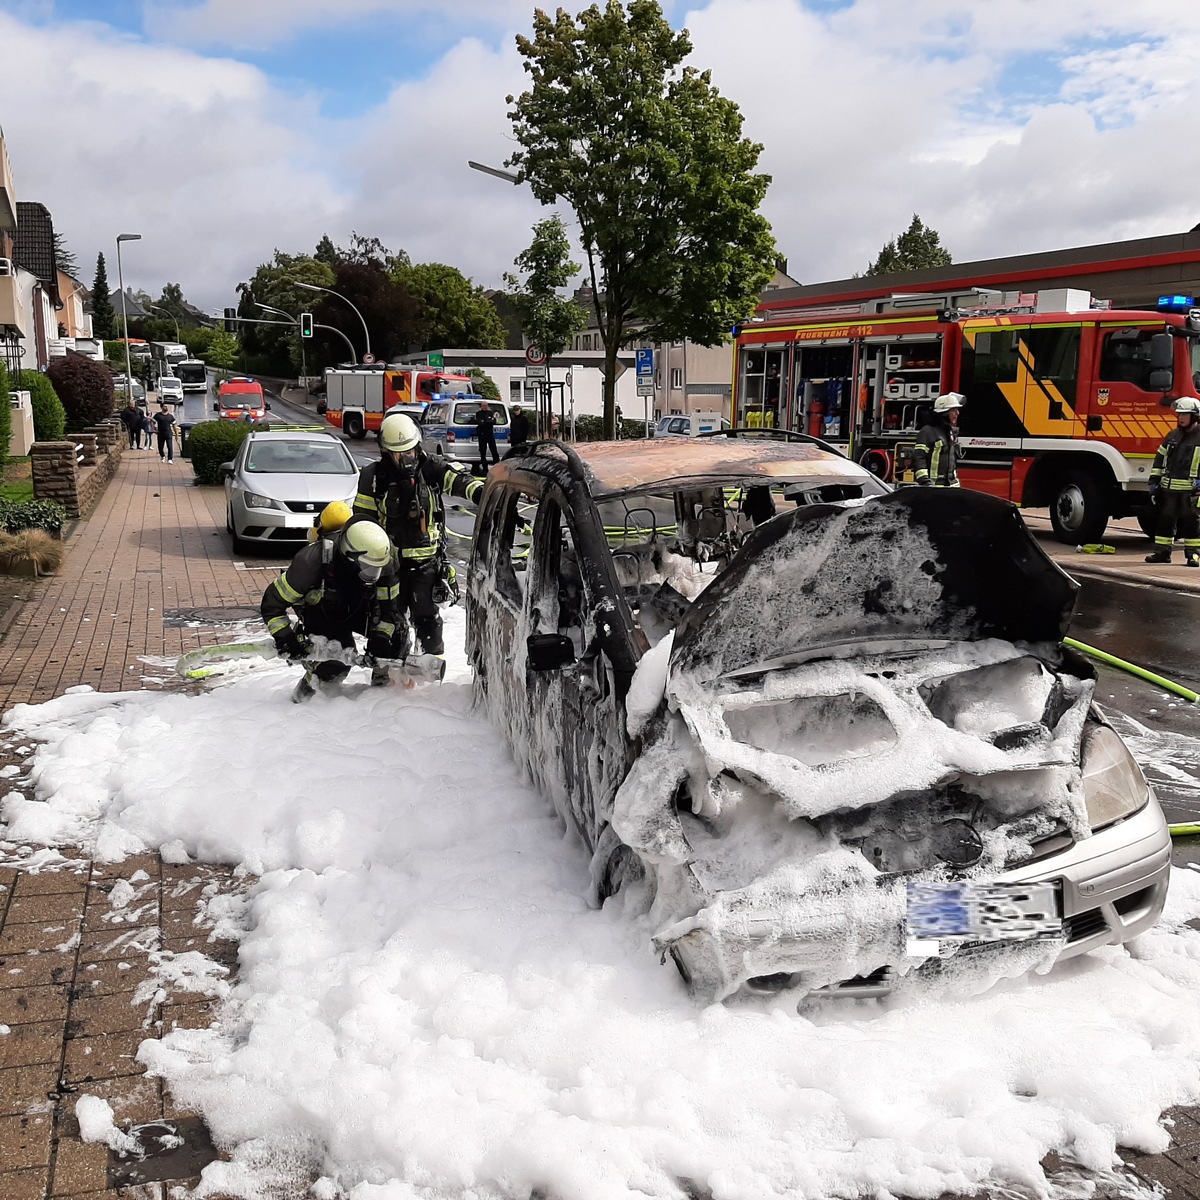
[(1149, 676), (1184, 829)]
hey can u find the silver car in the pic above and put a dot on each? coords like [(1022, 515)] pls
[(277, 485)]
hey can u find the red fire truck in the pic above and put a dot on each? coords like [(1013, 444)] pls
[(356, 398), (1066, 401)]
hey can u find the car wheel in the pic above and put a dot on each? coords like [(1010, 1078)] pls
[(353, 427), (1079, 509)]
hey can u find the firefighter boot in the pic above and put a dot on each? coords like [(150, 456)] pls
[(304, 690), (1161, 555), (380, 676), (1192, 558)]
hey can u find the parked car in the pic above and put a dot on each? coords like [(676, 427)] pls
[(690, 425), (827, 733), (170, 389), (240, 398), (121, 390), (448, 427), (278, 483)]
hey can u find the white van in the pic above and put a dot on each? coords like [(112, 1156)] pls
[(690, 424)]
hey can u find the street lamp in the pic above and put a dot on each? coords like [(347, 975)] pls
[(499, 174), (312, 287), (125, 237)]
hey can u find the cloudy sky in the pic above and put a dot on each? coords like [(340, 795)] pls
[(222, 129)]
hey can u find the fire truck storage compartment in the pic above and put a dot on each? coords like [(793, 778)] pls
[(825, 389), (909, 384)]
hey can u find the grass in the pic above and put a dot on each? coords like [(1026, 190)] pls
[(15, 480)]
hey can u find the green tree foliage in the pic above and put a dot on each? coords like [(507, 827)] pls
[(49, 416), (326, 252), (85, 389), (274, 283), (64, 256), (549, 319), (222, 350), (103, 314), (453, 311), (485, 385), (5, 416), (652, 160), (917, 248)]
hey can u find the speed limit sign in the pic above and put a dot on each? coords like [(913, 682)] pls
[(535, 356)]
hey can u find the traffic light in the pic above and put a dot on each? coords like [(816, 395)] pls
[(230, 323), (306, 325)]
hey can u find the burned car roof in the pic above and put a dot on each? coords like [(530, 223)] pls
[(616, 468)]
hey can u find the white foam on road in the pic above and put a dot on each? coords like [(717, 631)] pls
[(425, 1005)]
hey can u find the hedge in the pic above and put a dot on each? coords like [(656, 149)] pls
[(16, 515), (85, 389), (49, 416), (213, 442), (591, 429)]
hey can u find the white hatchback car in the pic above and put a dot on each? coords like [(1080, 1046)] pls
[(278, 483)]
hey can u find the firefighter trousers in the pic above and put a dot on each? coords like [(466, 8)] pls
[(1177, 516), (417, 582)]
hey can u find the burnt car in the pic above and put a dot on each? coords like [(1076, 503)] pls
[(826, 733)]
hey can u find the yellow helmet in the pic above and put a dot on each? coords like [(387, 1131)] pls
[(367, 544), (333, 516), (398, 431)]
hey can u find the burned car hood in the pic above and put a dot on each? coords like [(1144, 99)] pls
[(920, 563)]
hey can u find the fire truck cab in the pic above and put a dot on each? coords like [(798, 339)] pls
[(356, 398), (1066, 402)]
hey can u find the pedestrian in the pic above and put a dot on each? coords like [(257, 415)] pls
[(518, 432), (164, 420), (131, 418), (148, 429), (1175, 487), (935, 454), (553, 425), (403, 491), (337, 586), (485, 435)]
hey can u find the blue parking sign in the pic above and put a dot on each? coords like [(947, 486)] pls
[(645, 360)]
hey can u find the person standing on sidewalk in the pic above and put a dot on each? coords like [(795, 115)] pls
[(485, 435), (1175, 487), (131, 418), (164, 419), (518, 433)]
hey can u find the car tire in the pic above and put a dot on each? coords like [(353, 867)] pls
[(1079, 509), (353, 427)]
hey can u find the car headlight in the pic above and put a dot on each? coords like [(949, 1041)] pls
[(254, 500), (1113, 783)]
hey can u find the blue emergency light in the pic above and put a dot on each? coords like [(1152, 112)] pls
[(1176, 303)]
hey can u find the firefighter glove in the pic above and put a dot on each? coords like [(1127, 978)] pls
[(1153, 488), (379, 644), (290, 644)]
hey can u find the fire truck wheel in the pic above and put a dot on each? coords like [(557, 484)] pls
[(352, 426), (1079, 509)]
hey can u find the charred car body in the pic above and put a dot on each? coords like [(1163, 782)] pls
[(828, 732)]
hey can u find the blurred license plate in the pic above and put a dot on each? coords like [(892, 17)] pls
[(985, 912)]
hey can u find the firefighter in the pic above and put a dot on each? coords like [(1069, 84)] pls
[(338, 586), (403, 491), (1175, 486), (935, 455), (333, 516)]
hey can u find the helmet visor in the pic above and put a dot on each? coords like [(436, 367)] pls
[(367, 573)]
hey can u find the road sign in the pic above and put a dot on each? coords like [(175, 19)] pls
[(645, 389), (436, 359), (368, 359), (617, 373), (535, 356), (535, 370), (645, 361)]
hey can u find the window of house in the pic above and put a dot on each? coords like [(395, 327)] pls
[(676, 378)]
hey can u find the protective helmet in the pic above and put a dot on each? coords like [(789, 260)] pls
[(399, 431), (949, 400), (1187, 405), (333, 516), (365, 543)]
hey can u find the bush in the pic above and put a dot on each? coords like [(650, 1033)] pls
[(34, 549), (213, 442), (591, 429), (17, 515), (85, 389), (49, 416), (5, 416)]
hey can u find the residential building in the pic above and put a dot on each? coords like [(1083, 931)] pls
[(14, 319), (34, 254)]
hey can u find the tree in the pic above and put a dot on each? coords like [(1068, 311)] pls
[(485, 385), (916, 248), (453, 311), (85, 389), (651, 158), (548, 319), (172, 301), (326, 252), (64, 257), (222, 349), (49, 416), (274, 283), (103, 314)]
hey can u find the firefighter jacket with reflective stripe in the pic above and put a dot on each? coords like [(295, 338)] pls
[(935, 455), (320, 580), (1177, 463), (410, 507)]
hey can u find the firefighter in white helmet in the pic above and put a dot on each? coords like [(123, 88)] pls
[(338, 586), (935, 456), (403, 491), (1175, 487)]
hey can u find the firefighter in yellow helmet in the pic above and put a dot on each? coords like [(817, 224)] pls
[(403, 491), (935, 455), (333, 516), (338, 586), (1175, 486)]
